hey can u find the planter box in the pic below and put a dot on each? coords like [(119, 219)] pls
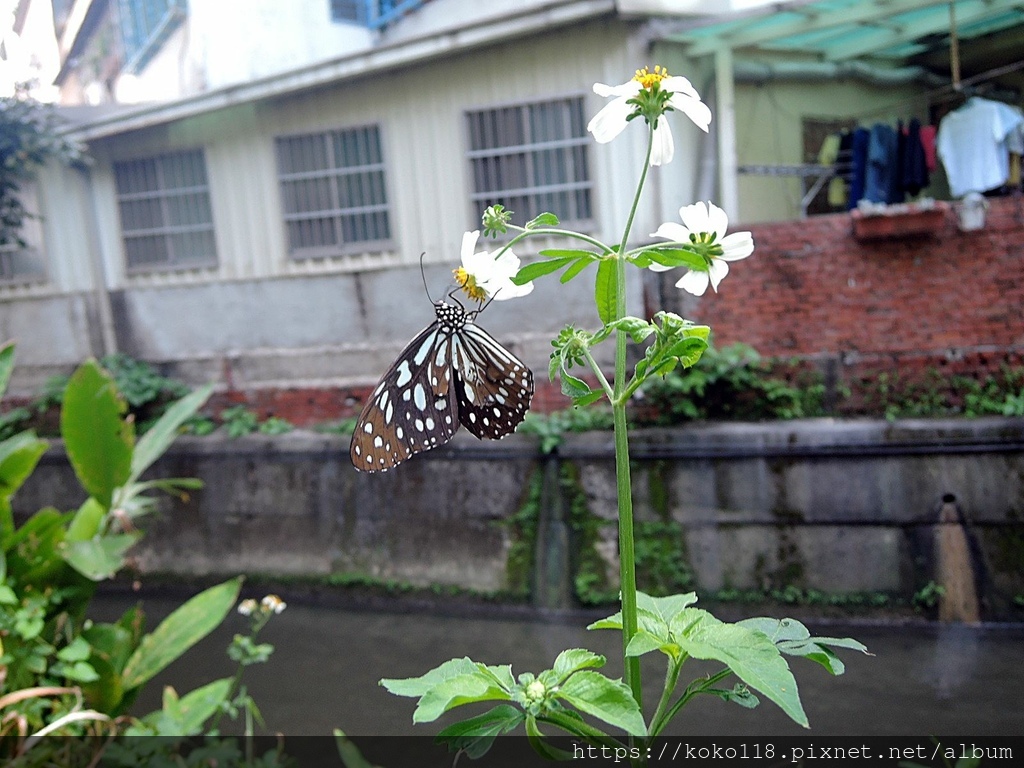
[(899, 221)]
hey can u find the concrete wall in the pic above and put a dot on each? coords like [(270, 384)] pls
[(821, 504)]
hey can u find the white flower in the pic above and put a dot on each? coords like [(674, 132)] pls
[(484, 277), (246, 607), (662, 92), (704, 226), (273, 604)]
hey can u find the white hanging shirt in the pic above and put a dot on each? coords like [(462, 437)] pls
[(972, 144)]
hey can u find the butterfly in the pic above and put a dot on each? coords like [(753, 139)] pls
[(452, 373)]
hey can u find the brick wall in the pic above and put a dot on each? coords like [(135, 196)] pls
[(950, 301)]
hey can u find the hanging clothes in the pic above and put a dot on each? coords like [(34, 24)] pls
[(915, 166), (972, 144), (859, 164), (881, 167)]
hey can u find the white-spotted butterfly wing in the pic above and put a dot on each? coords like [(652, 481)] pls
[(453, 372)]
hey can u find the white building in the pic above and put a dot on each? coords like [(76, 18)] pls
[(266, 175)]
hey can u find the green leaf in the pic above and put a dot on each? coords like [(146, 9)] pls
[(418, 686), (79, 672), (86, 522), (100, 557), (584, 400), (539, 269), (739, 694), (749, 653), (665, 608), (6, 365), (456, 691), (606, 290), (349, 752), (98, 440), (637, 329), (609, 700), (77, 650), (676, 257), (575, 659), (476, 735), (159, 437), (575, 268), (180, 631), (540, 745), (198, 706), (793, 638), (645, 642), (572, 386), (545, 219), (18, 457)]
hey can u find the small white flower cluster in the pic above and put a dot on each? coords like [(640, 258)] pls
[(268, 605)]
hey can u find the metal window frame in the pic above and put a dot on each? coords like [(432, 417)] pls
[(141, 36), (164, 194), (337, 213), (582, 180)]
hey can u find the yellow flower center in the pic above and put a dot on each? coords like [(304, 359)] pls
[(649, 79), (467, 283)]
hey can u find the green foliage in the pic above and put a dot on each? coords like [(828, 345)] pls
[(276, 426), (928, 596), (730, 383), (239, 421), (30, 136), (49, 567), (519, 562)]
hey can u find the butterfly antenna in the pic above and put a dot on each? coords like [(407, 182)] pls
[(423, 275)]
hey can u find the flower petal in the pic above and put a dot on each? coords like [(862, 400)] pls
[(718, 220), (611, 120), (662, 148), (717, 272), (469, 244), (679, 84), (672, 231), (696, 218), (694, 282), (628, 89), (693, 108), (736, 246)]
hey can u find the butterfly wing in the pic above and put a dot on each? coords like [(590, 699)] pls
[(493, 387), (411, 409)]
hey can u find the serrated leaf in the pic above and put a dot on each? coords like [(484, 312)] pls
[(575, 659), (611, 622), (677, 257), (573, 386), (750, 654), (417, 686), (575, 269), (537, 269), (665, 608), (637, 328), (585, 400), (545, 219), (645, 642), (455, 692), (609, 700), (97, 438), (180, 631), (159, 437), (606, 290), (476, 735)]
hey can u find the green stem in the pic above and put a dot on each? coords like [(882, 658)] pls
[(587, 732), (689, 694), (627, 556), (525, 233), (671, 680), (600, 374)]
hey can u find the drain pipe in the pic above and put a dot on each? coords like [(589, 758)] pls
[(954, 567)]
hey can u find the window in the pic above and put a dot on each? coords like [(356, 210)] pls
[(166, 221), (145, 25), (333, 191), (532, 158), (22, 262)]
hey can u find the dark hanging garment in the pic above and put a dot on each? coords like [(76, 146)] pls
[(858, 164), (896, 193), (881, 166), (915, 165)]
